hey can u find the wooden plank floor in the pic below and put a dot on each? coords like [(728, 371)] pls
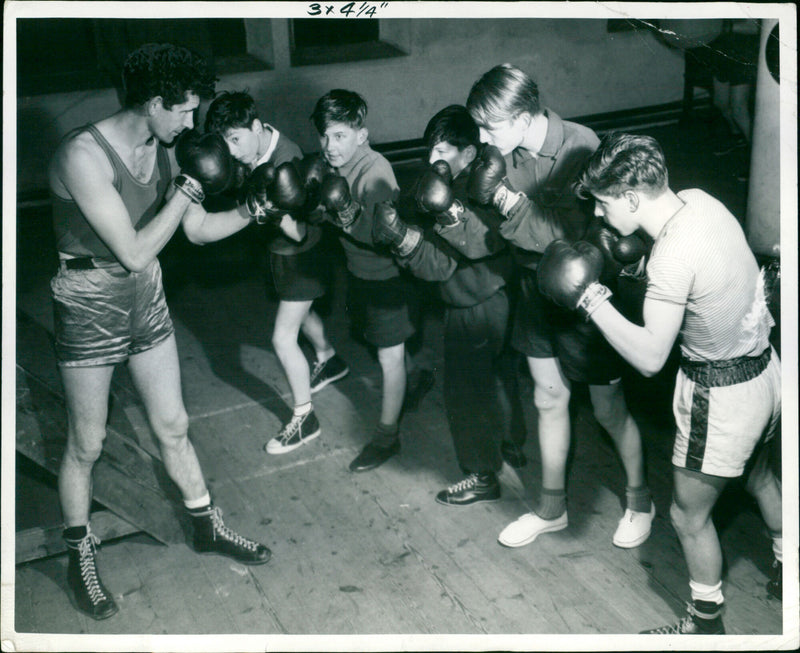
[(373, 554)]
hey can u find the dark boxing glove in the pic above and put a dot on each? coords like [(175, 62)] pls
[(487, 182), (315, 169), (256, 197), (435, 196), (287, 190), (335, 197), (204, 159), (618, 251), (568, 275), (389, 229)]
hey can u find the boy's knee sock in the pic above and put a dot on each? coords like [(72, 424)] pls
[(707, 599), (385, 434), (638, 498), (551, 504)]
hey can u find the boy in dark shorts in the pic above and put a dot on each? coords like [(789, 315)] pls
[(361, 179), (298, 262), (525, 173), (481, 398)]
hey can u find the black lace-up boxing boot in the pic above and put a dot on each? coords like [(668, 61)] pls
[(212, 536), (89, 593)]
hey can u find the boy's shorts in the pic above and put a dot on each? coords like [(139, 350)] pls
[(719, 426), (105, 315), (302, 276), (543, 330), (385, 310)]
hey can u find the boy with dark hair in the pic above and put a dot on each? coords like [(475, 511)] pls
[(299, 264), (704, 287), (117, 200), (480, 393), (360, 180)]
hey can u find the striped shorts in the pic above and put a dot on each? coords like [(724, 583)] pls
[(723, 410)]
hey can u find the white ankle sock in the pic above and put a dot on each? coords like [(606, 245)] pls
[(702, 592), (777, 548), (326, 355), (198, 503), (303, 409)]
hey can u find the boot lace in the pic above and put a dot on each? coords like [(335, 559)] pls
[(291, 428), (467, 483), (87, 548), (318, 367), (222, 531)]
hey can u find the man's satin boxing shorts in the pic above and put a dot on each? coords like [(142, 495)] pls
[(105, 314)]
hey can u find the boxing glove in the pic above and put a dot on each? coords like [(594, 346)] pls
[(487, 183), (618, 251), (389, 229), (204, 159), (256, 197), (287, 190), (314, 171), (568, 275), (335, 197), (434, 195)]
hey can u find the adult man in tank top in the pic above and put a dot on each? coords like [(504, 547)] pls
[(109, 182)]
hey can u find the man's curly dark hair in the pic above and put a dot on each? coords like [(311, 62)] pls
[(165, 70)]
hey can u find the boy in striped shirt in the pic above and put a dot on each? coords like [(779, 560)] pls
[(705, 288)]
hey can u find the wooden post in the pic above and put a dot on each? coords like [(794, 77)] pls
[(763, 216)]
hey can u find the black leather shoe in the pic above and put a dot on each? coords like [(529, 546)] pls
[(373, 456), (513, 455), (474, 488)]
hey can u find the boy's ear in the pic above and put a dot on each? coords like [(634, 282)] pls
[(469, 153), (256, 126), (633, 200), (363, 134)]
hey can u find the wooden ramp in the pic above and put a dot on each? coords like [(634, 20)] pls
[(129, 479)]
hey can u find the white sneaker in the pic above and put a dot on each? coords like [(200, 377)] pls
[(634, 528), (528, 527)]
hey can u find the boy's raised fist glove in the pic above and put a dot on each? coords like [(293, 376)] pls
[(315, 169), (259, 205), (487, 182), (435, 195), (389, 229), (618, 251), (335, 197), (568, 275)]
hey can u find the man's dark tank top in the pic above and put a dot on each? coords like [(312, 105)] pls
[(75, 236)]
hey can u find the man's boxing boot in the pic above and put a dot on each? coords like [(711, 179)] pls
[(205, 159), (212, 536), (89, 593), (389, 229), (435, 196), (568, 275), (472, 489), (487, 183), (703, 618), (335, 197)]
